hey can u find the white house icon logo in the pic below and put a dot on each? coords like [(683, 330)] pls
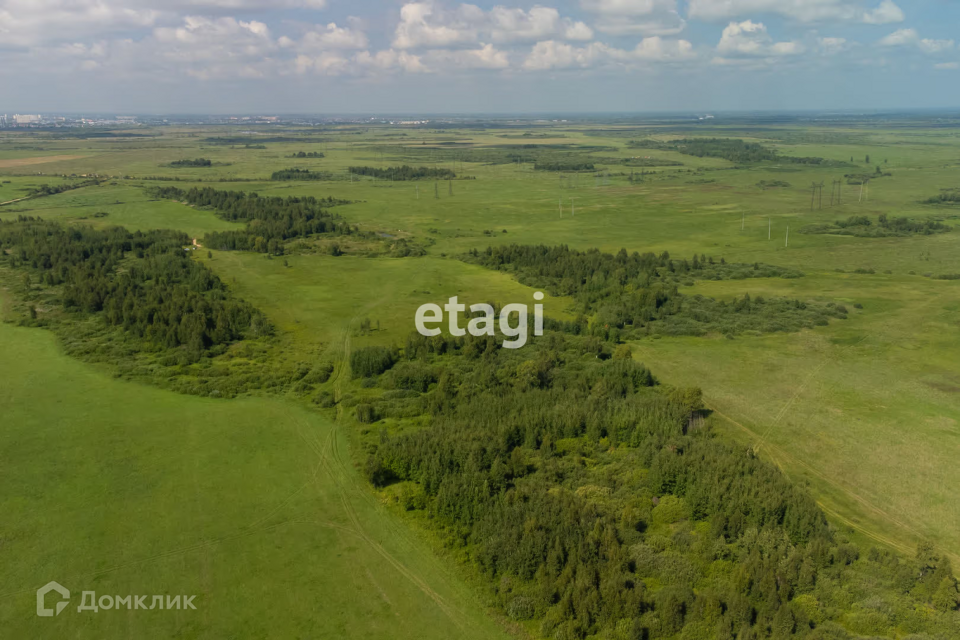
[(42, 592)]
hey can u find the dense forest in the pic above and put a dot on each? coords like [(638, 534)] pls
[(570, 164), (142, 282), (404, 172), (297, 174), (864, 227), (594, 502), (732, 149), (198, 162), (270, 220), (633, 295)]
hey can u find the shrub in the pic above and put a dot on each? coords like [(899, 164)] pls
[(372, 361), (320, 374), (324, 399), (366, 413)]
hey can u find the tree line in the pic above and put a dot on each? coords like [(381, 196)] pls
[(633, 295), (141, 282), (947, 196), (885, 226), (197, 162), (732, 149), (404, 172), (270, 220), (563, 165), (297, 174), (50, 190)]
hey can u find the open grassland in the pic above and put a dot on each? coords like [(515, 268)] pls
[(865, 410), (312, 295), (252, 506)]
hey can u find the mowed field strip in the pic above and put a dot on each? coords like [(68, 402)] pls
[(10, 163)]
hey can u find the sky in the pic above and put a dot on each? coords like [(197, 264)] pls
[(435, 56)]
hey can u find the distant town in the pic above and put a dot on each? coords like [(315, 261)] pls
[(39, 121)]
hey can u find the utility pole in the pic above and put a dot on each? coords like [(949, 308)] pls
[(813, 195), (821, 195), (769, 227), (418, 192), (786, 242)]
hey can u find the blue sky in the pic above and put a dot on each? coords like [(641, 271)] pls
[(391, 56)]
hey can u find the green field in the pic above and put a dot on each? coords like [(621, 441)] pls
[(254, 504)]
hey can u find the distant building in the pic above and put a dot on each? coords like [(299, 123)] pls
[(3, 120), (26, 119)]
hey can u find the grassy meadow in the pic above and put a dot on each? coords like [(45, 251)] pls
[(251, 505), (254, 505)]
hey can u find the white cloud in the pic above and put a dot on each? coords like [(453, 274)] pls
[(645, 17), (390, 60), (832, 46), (900, 37), (551, 54), (910, 38), (428, 24), (243, 5), (799, 10), (935, 46), (656, 48), (26, 23), (324, 38), (215, 47), (506, 25), (486, 57), (947, 65), (332, 64), (886, 13), (750, 39), (423, 25)]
